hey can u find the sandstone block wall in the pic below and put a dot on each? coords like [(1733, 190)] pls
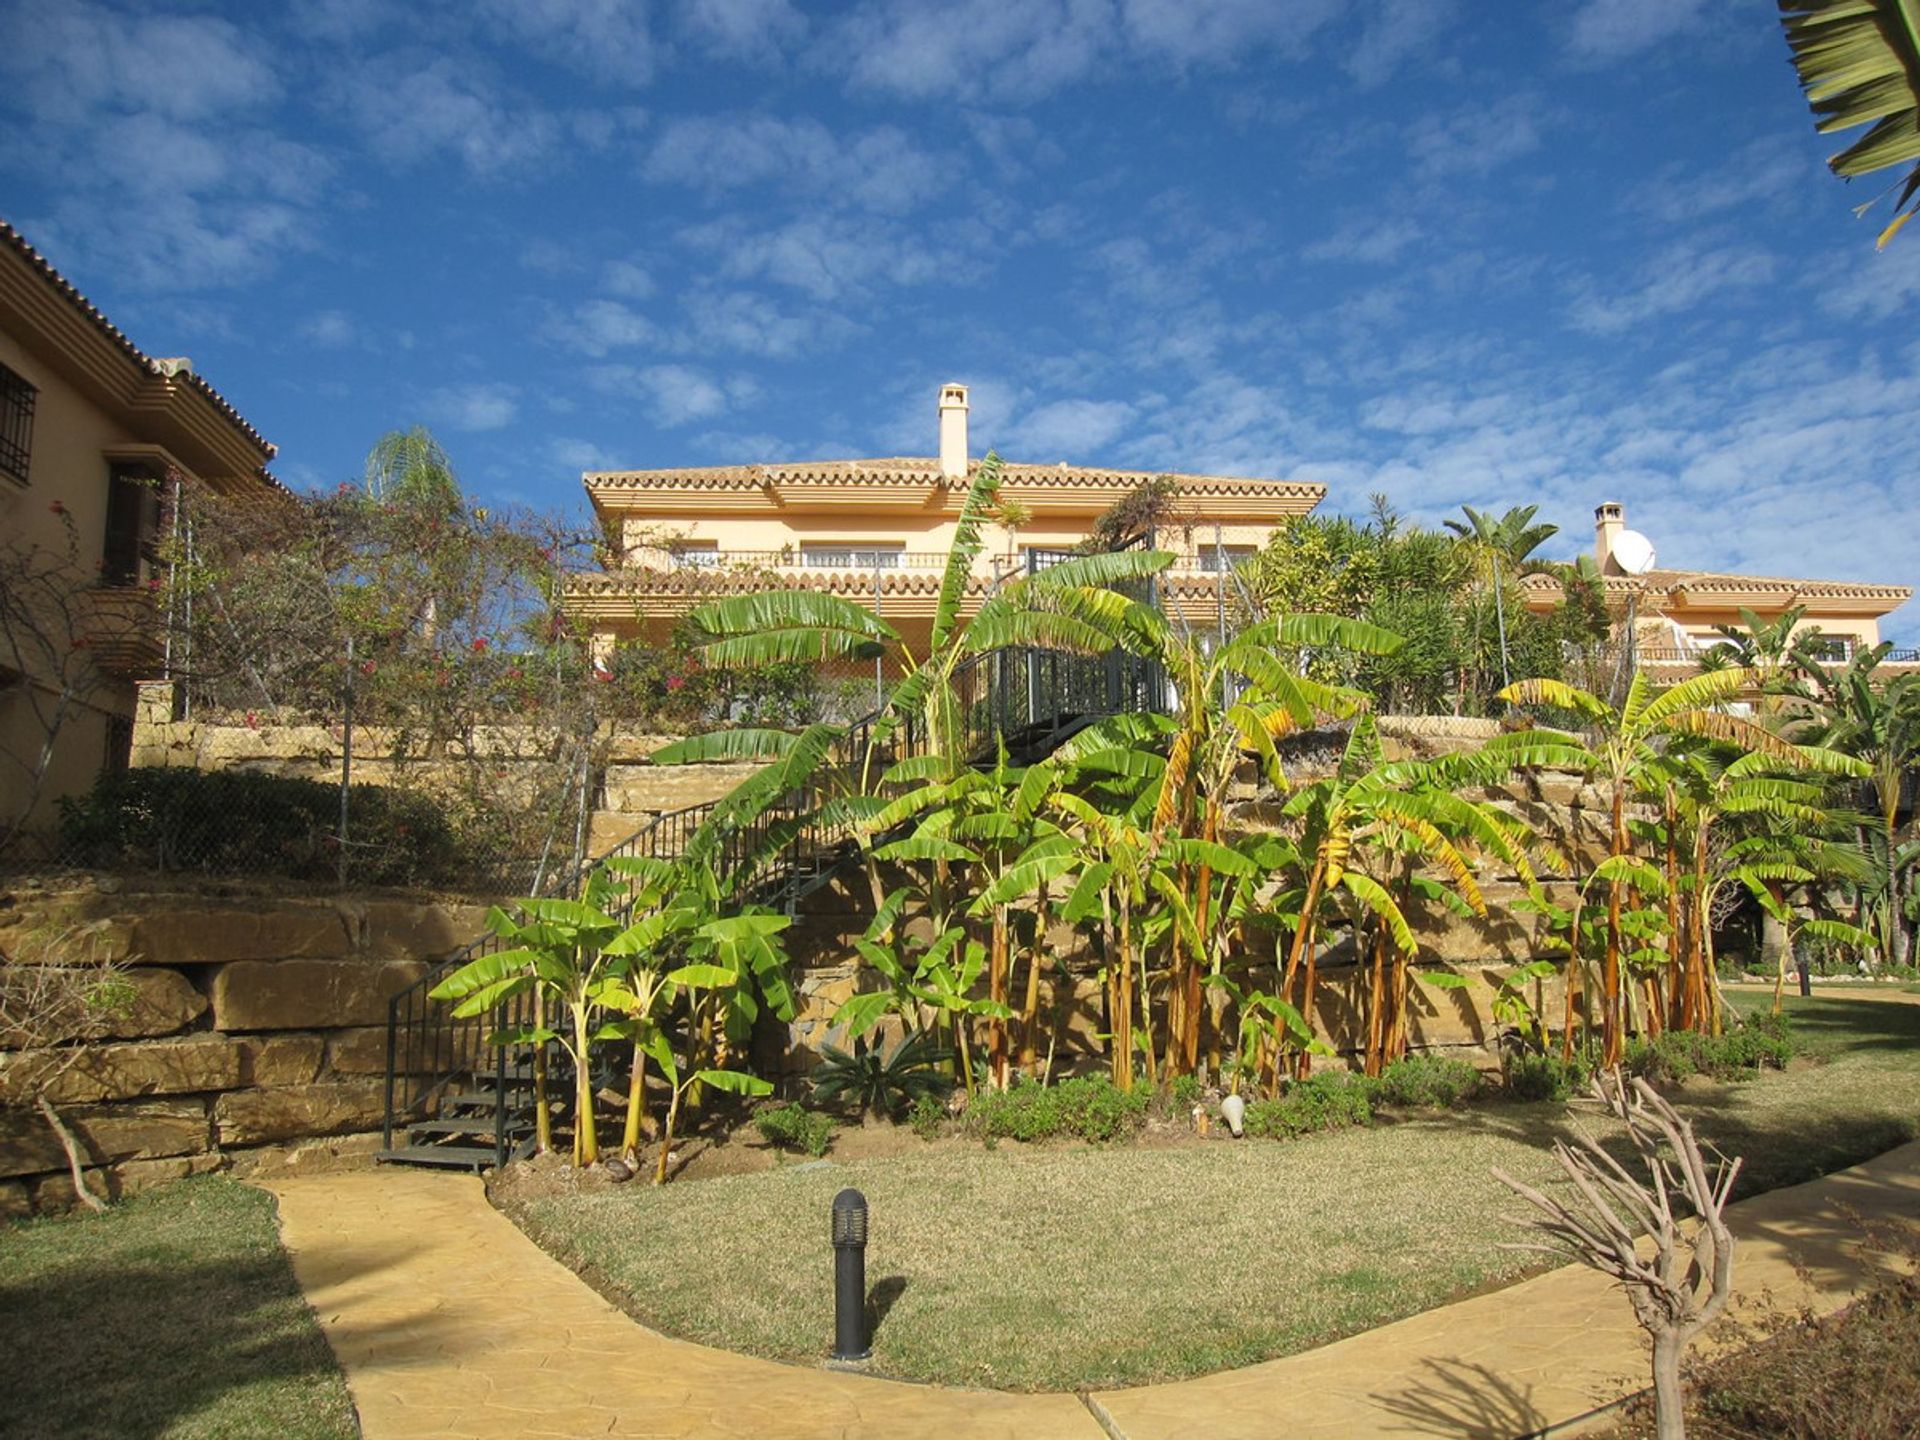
[(254, 1033)]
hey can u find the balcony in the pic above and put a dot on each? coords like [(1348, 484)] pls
[(120, 624)]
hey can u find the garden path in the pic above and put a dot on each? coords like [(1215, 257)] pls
[(449, 1322)]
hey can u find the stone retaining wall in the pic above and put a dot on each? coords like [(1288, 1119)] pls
[(256, 1032), (632, 783)]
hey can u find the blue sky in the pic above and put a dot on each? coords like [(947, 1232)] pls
[(1460, 251)]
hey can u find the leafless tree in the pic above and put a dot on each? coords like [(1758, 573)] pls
[(57, 992), (1678, 1279), (47, 660)]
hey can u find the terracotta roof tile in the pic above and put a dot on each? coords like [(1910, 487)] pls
[(152, 366), (920, 470)]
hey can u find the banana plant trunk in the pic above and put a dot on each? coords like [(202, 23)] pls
[(1612, 1038), (586, 1141)]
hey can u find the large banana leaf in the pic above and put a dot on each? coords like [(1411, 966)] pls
[(967, 539), (1859, 62)]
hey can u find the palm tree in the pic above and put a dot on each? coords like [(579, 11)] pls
[(1623, 750), (1503, 549), (1859, 62)]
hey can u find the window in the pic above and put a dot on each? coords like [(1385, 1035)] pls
[(133, 526), (1830, 649), (119, 752), (852, 555), (1209, 558), (16, 425)]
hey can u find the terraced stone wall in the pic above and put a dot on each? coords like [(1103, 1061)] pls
[(255, 1033)]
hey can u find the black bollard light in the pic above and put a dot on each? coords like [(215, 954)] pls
[(850, 1276)]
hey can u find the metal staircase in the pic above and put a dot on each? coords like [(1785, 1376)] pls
[(457, 1102)]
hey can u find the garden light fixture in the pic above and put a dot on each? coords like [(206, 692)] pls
[(850, 1276)]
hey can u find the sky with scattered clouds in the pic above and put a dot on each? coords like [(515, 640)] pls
[(1456, 251)]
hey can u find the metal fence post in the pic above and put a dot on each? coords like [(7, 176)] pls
[(346, 758)]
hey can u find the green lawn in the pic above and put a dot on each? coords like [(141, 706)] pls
[(174, 1314), (1050, 1267)]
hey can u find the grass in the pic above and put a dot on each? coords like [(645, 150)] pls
[(174, 1314), (1064, 1265)]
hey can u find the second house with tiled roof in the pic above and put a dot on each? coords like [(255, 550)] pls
[(878, 531)]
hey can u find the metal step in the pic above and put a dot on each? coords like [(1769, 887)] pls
[(473, 1125), (443, 1157)]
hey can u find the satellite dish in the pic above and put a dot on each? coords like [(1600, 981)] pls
[(1633, 552)]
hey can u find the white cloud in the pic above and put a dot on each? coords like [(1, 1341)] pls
[(149, 132), (606, 40), (628, 280), (1862, 284), (747, 323), (1675, 282), (484, 406), (69, 62), (1608, 30), (1761, 172), (1025, 49), (673, 395), (1476, 139), (1372, 242), (331, 329), (822, 259), (598, 327), (881, 170), (752, 30), (412, 111), (577, 454), (1396, 32), (1069, 429)]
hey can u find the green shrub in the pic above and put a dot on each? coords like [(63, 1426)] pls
[(1429, 1082), (1090, 1107), (236, 822), (1763, 1042), (794, 1127), (1332, 1100), (928, 1116), (1186, 1091), (1546, 1077)]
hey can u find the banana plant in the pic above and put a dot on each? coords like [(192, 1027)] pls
[(947, 977), (557, 949), (1623, 750), (679, 1082)]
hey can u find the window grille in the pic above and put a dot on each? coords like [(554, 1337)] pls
[(16, 425)]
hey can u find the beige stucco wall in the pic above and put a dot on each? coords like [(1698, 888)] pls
[(921, 534), (67, 464)]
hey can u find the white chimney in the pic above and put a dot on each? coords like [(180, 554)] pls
[(1608, 521), (953, 432)]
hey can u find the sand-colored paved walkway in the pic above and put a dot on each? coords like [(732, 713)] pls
[(449, 1322)]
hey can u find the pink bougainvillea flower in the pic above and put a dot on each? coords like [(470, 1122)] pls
[(253, 721), (479, 645), (57, 508), (676, 682)]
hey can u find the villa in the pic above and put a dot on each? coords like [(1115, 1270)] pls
[(1676, 615), (879, 531), (95, 436)]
